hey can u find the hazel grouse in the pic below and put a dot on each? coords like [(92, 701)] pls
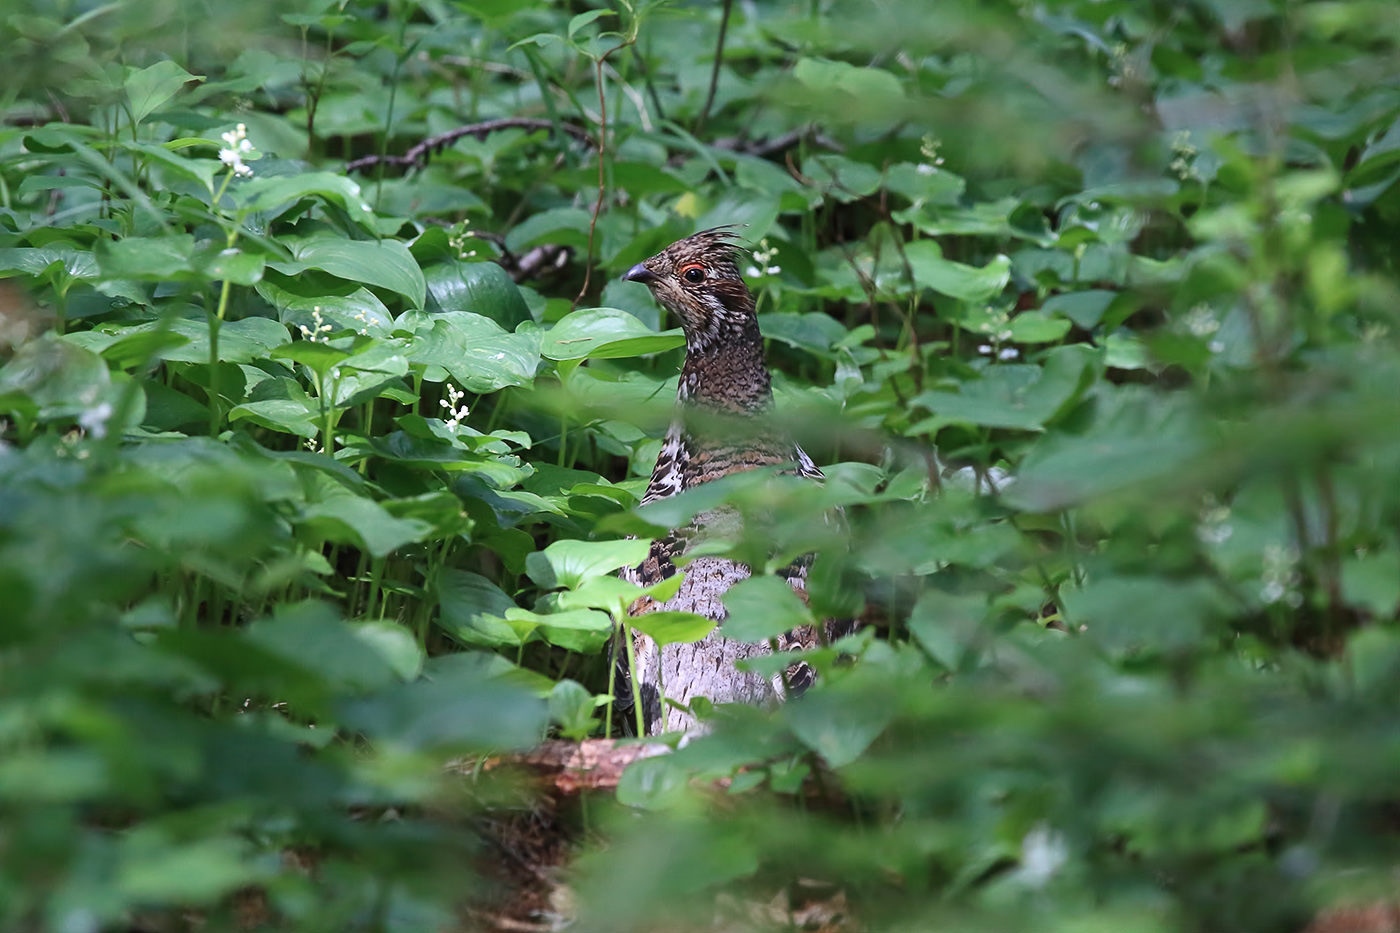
[(725, 388)]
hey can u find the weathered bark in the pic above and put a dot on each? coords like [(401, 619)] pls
[(707, 668)]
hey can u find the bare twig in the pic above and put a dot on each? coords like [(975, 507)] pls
[(416, 156), (714, 69), (602, 153)]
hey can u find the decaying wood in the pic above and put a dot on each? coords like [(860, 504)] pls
[(572, 767)]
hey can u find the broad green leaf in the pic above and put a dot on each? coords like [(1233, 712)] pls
[(605, 333), (1037, 327), (196, 170), (320, 357), (385, 263), (394, 644), (239, 341), (761, 608), (570, 562), (345, 306), (299, 416), (149, 88), (671, 628), (361, 522), (1016, 395), (151, 258), (137, 348), (1126, 614), (277, 192), (840, 725), (479, 287), (581, 630), (473, 350), (1084, 308), (73, 263), (583, 19), (471, 609), (457, 707), (571, 707), (310, 634), (1141, 442), (969, 283), (154, 868), (60, 379)]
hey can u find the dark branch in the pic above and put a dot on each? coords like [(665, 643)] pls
[(417, 156)]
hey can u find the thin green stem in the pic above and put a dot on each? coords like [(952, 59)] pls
[(632, 675)]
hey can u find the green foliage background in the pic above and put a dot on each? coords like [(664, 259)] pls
[(1088, 306)]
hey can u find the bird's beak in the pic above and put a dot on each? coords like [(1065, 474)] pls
[(640, 273)]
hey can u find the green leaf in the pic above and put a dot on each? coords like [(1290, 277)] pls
[(840, 725), (275, 193), (479, 287), (71, 262), (1126, 614), (1084, 308), (761, 608), (571, 707), (385, 263), (969, 283), (1037, 327), (474, 350), (149, 88), (605, 333), (147, 258), (1141, 442), (361, 522), (310, 634), (1017, 396), (320, 357), (571, 562), (581, 630), (344, 306), (239, 341), (60, 379), (458, 707), (153, 868), (672, 628), (471, 609), (583, 19)]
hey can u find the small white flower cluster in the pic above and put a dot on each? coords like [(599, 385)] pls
[(762, 258), (458, 241), (1184, 156), (364, 331), (1215, 527), (928, 148), (1202, 322), (94, 420), (996, 326), (1281, 576), (455, 413), (238, 146), (1126, 70), (1043, 853), (319, 331)]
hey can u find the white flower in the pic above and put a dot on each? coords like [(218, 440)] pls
[(319, 331), (236, 147), (456, 414), (94, 420), (1043, 853)]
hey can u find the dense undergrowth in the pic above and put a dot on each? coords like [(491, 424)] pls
[(313, 474)]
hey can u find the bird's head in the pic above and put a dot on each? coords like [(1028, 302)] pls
[(698, 280)]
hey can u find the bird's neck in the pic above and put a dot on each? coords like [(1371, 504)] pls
[(725, 370)]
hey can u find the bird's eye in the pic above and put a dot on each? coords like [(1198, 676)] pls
[(693, 273)]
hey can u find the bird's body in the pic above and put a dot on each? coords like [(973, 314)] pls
[(725, 388)]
